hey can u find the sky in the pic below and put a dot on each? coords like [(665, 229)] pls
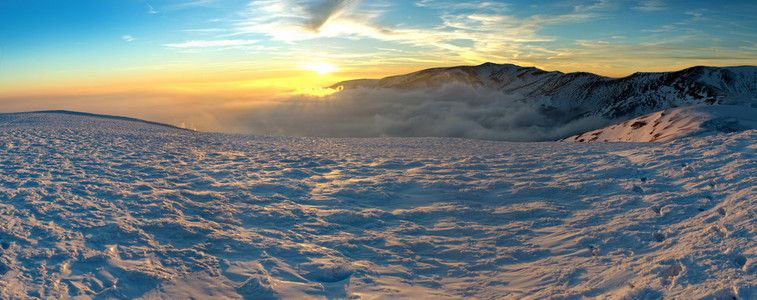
[(53, 51)]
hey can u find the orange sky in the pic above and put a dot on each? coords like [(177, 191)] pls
[(253, 49)]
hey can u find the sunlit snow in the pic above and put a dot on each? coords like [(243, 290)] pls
[(95, 207)]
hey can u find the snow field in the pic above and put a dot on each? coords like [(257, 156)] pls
[(104, 208)]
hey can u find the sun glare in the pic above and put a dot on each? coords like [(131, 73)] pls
[(321, 67)]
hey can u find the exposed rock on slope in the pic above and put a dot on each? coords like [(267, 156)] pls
[(675, 123)]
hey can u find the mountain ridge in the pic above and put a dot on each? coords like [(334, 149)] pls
[(95, 116), (675, 123), (582, 94)]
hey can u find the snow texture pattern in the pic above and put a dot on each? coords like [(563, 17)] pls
[(103, 208)]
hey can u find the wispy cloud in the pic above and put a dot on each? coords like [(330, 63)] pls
[(697, 15), (205, 30), (128, 38), (455, 32), (663, 28), (208, 44), (488, 30), (151, 10), (626, 58), (452, 5), (650, 5), (598, 6), (189, 4)]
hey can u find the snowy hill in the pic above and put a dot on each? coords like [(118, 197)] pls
[(579, 95), (97, 207), (74, 118), (675, 123)]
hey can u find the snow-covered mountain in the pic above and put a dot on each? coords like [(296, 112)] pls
[(97, 207), (578, 95), (674, 123)]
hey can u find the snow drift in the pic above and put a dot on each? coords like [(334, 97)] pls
[(95, 207)]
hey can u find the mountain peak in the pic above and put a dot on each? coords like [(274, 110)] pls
[(581, 95)]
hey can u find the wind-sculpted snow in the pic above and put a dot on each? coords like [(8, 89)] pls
[(104, 208)]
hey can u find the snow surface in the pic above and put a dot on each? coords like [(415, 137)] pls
[(96, 207), (675, 123)]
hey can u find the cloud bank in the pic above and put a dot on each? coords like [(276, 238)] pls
[(453, 110)]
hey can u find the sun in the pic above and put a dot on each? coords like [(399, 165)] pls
[(321, 67)]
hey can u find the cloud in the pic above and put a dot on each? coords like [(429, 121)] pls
[(490, 7), (753, 47), (696, 15), (204, 30), (291, 21), (151, 10), (322, 12), (453, 110), (195, 3), (217, 43), (650, 5), (128, 38), (625, 58), (598, 6), (470, 32)]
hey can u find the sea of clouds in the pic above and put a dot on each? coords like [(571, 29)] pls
[(452, 110)]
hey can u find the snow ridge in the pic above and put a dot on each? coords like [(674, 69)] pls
[(585, 94), (675, 123), (28, 117)]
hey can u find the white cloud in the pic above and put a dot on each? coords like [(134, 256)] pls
[(598, 6), (696, 15), (128, 38), (453, 110), (490, 7), (650, 5), (217, 43), (753, 47), (204, 30), (493, 33)]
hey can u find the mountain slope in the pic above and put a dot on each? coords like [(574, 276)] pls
[(675, 123), (32, 118), (103, 208), (580, 95)]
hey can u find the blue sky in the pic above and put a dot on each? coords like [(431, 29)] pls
[(138, 43)]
